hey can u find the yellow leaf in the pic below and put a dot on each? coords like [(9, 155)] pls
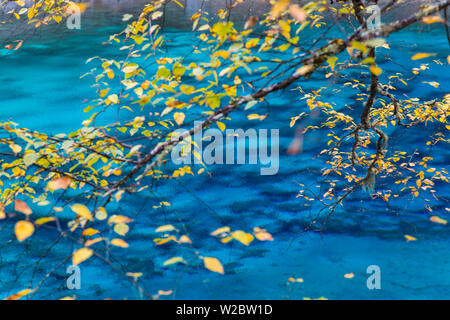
[(262, 235), (164, 293), (15, 148), (113, 98), (121, 228), (184, 239), (213, 264), (419, 56), (226, 239), (110, 74), (436, 219), (409, 238), (432, 83), (135, 275), (220, 231), (130, 68), (242, 237), (82, 211), (22, 207), (90, 232), (255, 116), (332, 62), (2, 212), (174, 260), (278, 8), (179, 117), (119, 219), (41, 221), (81, 255), (432, 19), (90, 242), (101, 214), (18, 295), (221, 126), (349, 275), (23, 230), (104, 92), (119, 243), (165, 228), (159, 241)]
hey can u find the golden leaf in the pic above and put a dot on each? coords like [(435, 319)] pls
[(81, 255), (135, 275), (93, 241), (243, 237), (436, 219), (262, 235), (101, 214), (220, 231), (15, 148), (82, 211), (119, 243), (89, 232), (419, 56), (349, 275), (119, 219), (23, 229), (2, 212), (165, 228), (43, 220), (174, 260), (410, 238), (213, 264), (164, 293), (432, 19), (18, 295), (121, 228), (179, 117), (184, 239), (278, 8)]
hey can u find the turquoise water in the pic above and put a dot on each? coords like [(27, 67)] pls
[(41, 88)]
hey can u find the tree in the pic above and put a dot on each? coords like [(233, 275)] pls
[(99, 165)]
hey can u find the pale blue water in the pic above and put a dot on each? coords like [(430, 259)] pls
[(41, 88)]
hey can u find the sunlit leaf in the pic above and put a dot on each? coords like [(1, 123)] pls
[(243, 237), (213, 264), (82, 211), (174, 260), (119, 243), (419, 56), (19, 294), (410, 238), (165, 228), (437, 219), (81, 255), (23, 230)]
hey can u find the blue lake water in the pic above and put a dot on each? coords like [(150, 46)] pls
[(41, 88)]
